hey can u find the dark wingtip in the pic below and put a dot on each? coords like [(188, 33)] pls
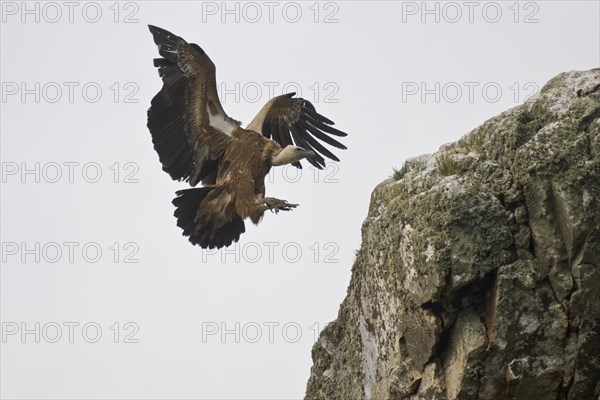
[(157, 31), (153, 29)]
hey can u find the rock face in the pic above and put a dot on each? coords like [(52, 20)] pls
[(478, 276)]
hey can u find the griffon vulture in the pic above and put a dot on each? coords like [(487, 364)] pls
[(197, 141)]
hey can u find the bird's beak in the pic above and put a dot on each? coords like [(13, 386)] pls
[(310, 154)]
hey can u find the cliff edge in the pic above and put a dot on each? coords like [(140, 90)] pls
[(478, 275)]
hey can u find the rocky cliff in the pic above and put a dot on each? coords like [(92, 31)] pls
[(478, 276)]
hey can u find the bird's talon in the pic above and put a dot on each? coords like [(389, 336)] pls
[(276, 205)]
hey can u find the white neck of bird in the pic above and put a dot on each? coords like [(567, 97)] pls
[(287, 155)]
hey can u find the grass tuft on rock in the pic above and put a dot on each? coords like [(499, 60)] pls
[(446, 165), (400, 172)]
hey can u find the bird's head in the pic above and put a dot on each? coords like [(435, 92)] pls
[(290, 154)]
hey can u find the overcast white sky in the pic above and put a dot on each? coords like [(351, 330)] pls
[(101, 296)]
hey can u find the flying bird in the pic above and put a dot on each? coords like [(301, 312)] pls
[(198, 142)]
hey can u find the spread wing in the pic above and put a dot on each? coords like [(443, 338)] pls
[(190, 130), (288, 120)]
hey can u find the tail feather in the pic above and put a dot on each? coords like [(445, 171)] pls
[(199, 228)]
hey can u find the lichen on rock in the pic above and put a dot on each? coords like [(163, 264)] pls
[(478, 275)]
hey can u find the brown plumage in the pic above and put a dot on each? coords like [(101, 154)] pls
[(197, 141)]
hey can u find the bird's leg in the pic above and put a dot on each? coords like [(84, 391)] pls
[(276, 205)]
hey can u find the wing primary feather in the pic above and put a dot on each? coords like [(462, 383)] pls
[(320, 148), (284, 135), (324, 127), (309, 105), (298, 134), (315, 115), (320, 135)]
